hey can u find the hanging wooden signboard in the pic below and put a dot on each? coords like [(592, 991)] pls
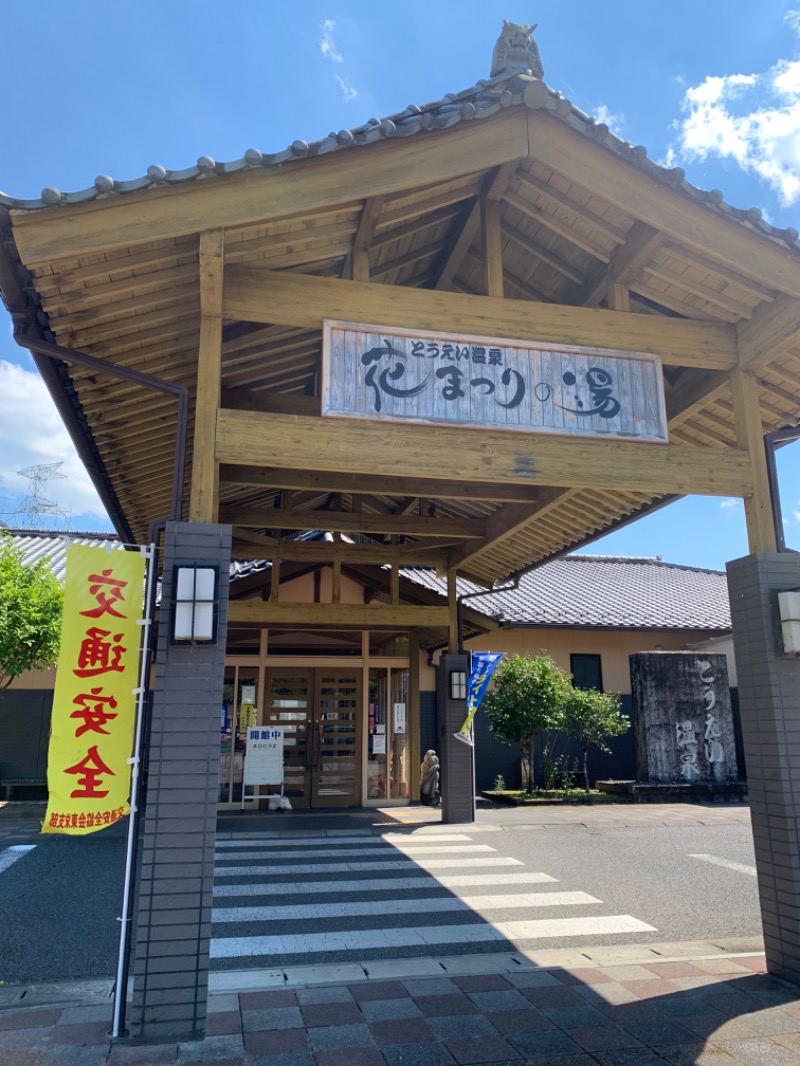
[(419, 376)]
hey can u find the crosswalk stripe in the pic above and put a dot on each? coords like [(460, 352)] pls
[(305, 869), (316, 842), (231, 856), (480, 905), (393, 884), (715, 860), (386, 939), (10, 854)]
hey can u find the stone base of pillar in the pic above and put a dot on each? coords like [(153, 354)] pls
[(769, 698), (175, 868), (457, 758)]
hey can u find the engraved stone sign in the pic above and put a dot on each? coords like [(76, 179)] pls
[(429, 377), (683, 721)]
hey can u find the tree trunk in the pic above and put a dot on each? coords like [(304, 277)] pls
[(585, 749)]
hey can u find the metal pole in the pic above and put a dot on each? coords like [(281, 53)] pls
[(121, 985)]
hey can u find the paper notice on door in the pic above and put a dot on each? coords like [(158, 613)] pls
[(248, 694), (379, 744), (399, 718)]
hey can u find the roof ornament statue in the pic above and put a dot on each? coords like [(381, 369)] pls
[(516, 51)]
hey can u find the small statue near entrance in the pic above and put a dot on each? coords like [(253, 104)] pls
[(429, 780)]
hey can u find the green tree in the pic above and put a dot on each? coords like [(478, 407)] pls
[(592, 716), (529, 696), (30, 614)]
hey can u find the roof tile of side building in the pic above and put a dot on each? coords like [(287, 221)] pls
[(608, 591), (481, 101)]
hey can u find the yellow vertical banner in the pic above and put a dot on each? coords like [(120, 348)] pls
[(94, 704)]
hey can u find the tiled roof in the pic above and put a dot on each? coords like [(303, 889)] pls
[(39, 544), (481, 101), (576, 590), (608, 591)]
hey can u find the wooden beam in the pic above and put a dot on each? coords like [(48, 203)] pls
[(348, 522), (459, 244), (368, 484), (492, 243), (479, 455), (363, 237), (260, 194), (204, 499), (369, 615), (693, 390), (260, 295), (678, 216), (772, 329), (750, 437), (626, 259), (502, 525), (254, 546)]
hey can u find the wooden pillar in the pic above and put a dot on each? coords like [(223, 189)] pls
[(492, 240), (750, 437), (452, 603), (204, 500), (619, 297), (415, 754)]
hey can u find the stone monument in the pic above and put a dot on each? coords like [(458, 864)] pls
[(683, 725)]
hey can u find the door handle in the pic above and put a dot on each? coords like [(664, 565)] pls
[(309, 737)]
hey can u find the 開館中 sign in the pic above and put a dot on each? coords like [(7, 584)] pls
[(420, 376)]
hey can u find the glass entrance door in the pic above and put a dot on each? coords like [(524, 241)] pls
[(238, 713), (320, 712)]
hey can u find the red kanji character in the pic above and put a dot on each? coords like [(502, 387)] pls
[(81, 821), (94, 716), (90, 768), (53, 823), (105, 600), (63, 821), (73, 821), (98, 656), (89, 820)]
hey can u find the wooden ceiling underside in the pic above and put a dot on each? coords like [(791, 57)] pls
[(139, 307)]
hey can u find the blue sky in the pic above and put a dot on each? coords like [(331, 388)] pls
[(713, 87)]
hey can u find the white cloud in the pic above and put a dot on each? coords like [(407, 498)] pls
[(327, 45), (753, 119), (796, 513), (726, 505), (32, 434), (348, 92), (614, 122)]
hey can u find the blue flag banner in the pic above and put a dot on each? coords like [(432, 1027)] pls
[(483, 666)]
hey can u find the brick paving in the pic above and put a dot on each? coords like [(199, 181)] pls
[(714, 1011)]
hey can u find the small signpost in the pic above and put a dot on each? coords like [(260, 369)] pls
[(263, 760)]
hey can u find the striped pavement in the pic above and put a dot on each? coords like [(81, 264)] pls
[(311, 900)]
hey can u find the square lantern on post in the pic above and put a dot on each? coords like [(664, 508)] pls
[(458, 685), (194, 619), (789, 612)]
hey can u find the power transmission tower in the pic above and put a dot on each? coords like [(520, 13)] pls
[(35, 509)]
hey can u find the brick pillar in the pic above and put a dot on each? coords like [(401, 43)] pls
[(769, 696), (175, 872), (457, 758)]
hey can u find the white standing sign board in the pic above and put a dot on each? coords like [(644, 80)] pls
[(263, 761)]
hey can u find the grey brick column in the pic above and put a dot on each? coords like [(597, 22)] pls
[(176, 857), (457, 759), (769, 696)]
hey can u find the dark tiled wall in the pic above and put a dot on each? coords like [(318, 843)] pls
[(176, 863), (769, 697)]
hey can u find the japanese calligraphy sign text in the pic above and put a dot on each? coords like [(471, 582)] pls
[(437, 377), (94, 704)]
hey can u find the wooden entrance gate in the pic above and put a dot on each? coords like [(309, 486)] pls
[(320, 710)]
